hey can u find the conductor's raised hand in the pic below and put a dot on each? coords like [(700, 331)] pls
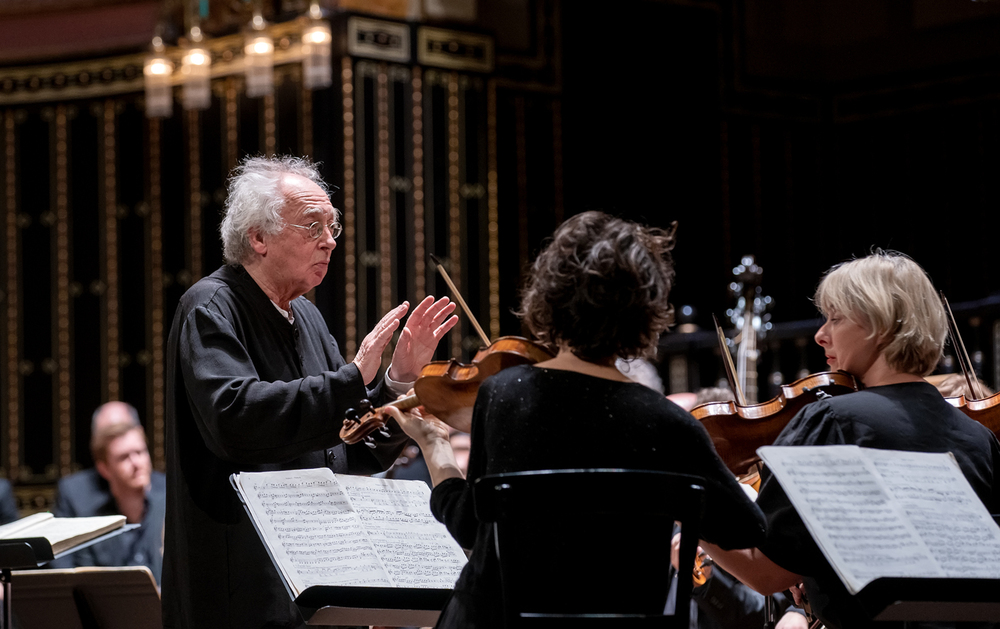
[(428, 322), (369, 356)]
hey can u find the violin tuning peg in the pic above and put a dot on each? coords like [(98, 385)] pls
[(365, 405), (370, 442), (385, 433), (352, 415)]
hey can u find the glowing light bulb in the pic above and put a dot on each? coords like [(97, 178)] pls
[(196, 69), (316, 63)]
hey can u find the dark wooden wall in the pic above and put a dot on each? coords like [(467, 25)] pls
[(802, 133)]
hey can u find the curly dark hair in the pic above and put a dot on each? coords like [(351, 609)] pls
[(601, 287)]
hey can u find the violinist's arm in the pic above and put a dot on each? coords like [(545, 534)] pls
[(753, 568), (431, 434)]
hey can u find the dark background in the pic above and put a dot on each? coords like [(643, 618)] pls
[(801, 132)]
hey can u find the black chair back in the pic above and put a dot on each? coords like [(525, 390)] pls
[(591, 547)]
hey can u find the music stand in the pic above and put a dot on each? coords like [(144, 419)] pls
[(382, 606), (931, 599), (89, 598), (34, 552)]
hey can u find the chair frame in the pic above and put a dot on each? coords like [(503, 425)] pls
[(573, 495)]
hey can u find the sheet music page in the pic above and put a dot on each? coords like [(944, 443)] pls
[(416, 549), (12, 530), (313, 533), (848, 509), (949, 516)]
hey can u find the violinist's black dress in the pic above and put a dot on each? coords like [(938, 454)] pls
[(529, 418), (909, 416)]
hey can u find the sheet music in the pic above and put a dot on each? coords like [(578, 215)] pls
[(954, 524), (61, 533), (415, 548), (850, 513), (333, 529), (311, 529)]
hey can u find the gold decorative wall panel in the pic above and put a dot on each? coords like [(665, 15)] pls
[(419, 224), (349, 236), (156, 330), (62, 316), (109, 245), (12, 293), (194, 235)]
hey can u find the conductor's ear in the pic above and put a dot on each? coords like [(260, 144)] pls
[(257, 241)]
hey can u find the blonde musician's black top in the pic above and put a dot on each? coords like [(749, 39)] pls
[(530, 418), (908, 416)]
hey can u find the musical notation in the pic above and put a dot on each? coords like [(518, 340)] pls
[(884, 513), (347, 530)]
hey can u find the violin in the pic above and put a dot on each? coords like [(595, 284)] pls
[(737, 430), (447, 388), (983, 408), (985, 411)]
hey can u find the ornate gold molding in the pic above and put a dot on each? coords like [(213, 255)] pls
[(110, 76)]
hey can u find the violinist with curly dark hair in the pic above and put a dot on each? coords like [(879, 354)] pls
[(597, 292)]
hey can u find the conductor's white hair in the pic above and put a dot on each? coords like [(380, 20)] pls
[(256, 199)]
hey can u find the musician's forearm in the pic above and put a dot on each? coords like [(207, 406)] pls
[(440, 460), (753, 568)]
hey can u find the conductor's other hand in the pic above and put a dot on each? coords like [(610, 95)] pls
[(369, 356), (428, 322)]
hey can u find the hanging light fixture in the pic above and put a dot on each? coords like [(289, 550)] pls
[(316, 43), (258, 55), (196, 69), (157, 71)]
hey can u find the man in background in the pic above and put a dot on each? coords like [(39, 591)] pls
[(122, 482)]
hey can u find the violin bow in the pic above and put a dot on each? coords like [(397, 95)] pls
[(963, 356), (727, 360), (458, 298)]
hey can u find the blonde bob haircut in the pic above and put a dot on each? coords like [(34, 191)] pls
[(890, 294)]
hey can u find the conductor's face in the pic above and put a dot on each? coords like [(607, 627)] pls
[(296, 259)]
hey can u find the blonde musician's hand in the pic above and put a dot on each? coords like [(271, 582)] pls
[(792, 620)]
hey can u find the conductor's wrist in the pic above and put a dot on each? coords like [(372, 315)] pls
[(397, 387)]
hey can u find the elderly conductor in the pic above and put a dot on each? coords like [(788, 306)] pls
[(256, 382)]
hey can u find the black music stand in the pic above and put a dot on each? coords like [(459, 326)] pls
[(383, 606), (34, 552), (931, 599)]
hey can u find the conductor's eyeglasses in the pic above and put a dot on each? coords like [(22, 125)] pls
[(315, 229)]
